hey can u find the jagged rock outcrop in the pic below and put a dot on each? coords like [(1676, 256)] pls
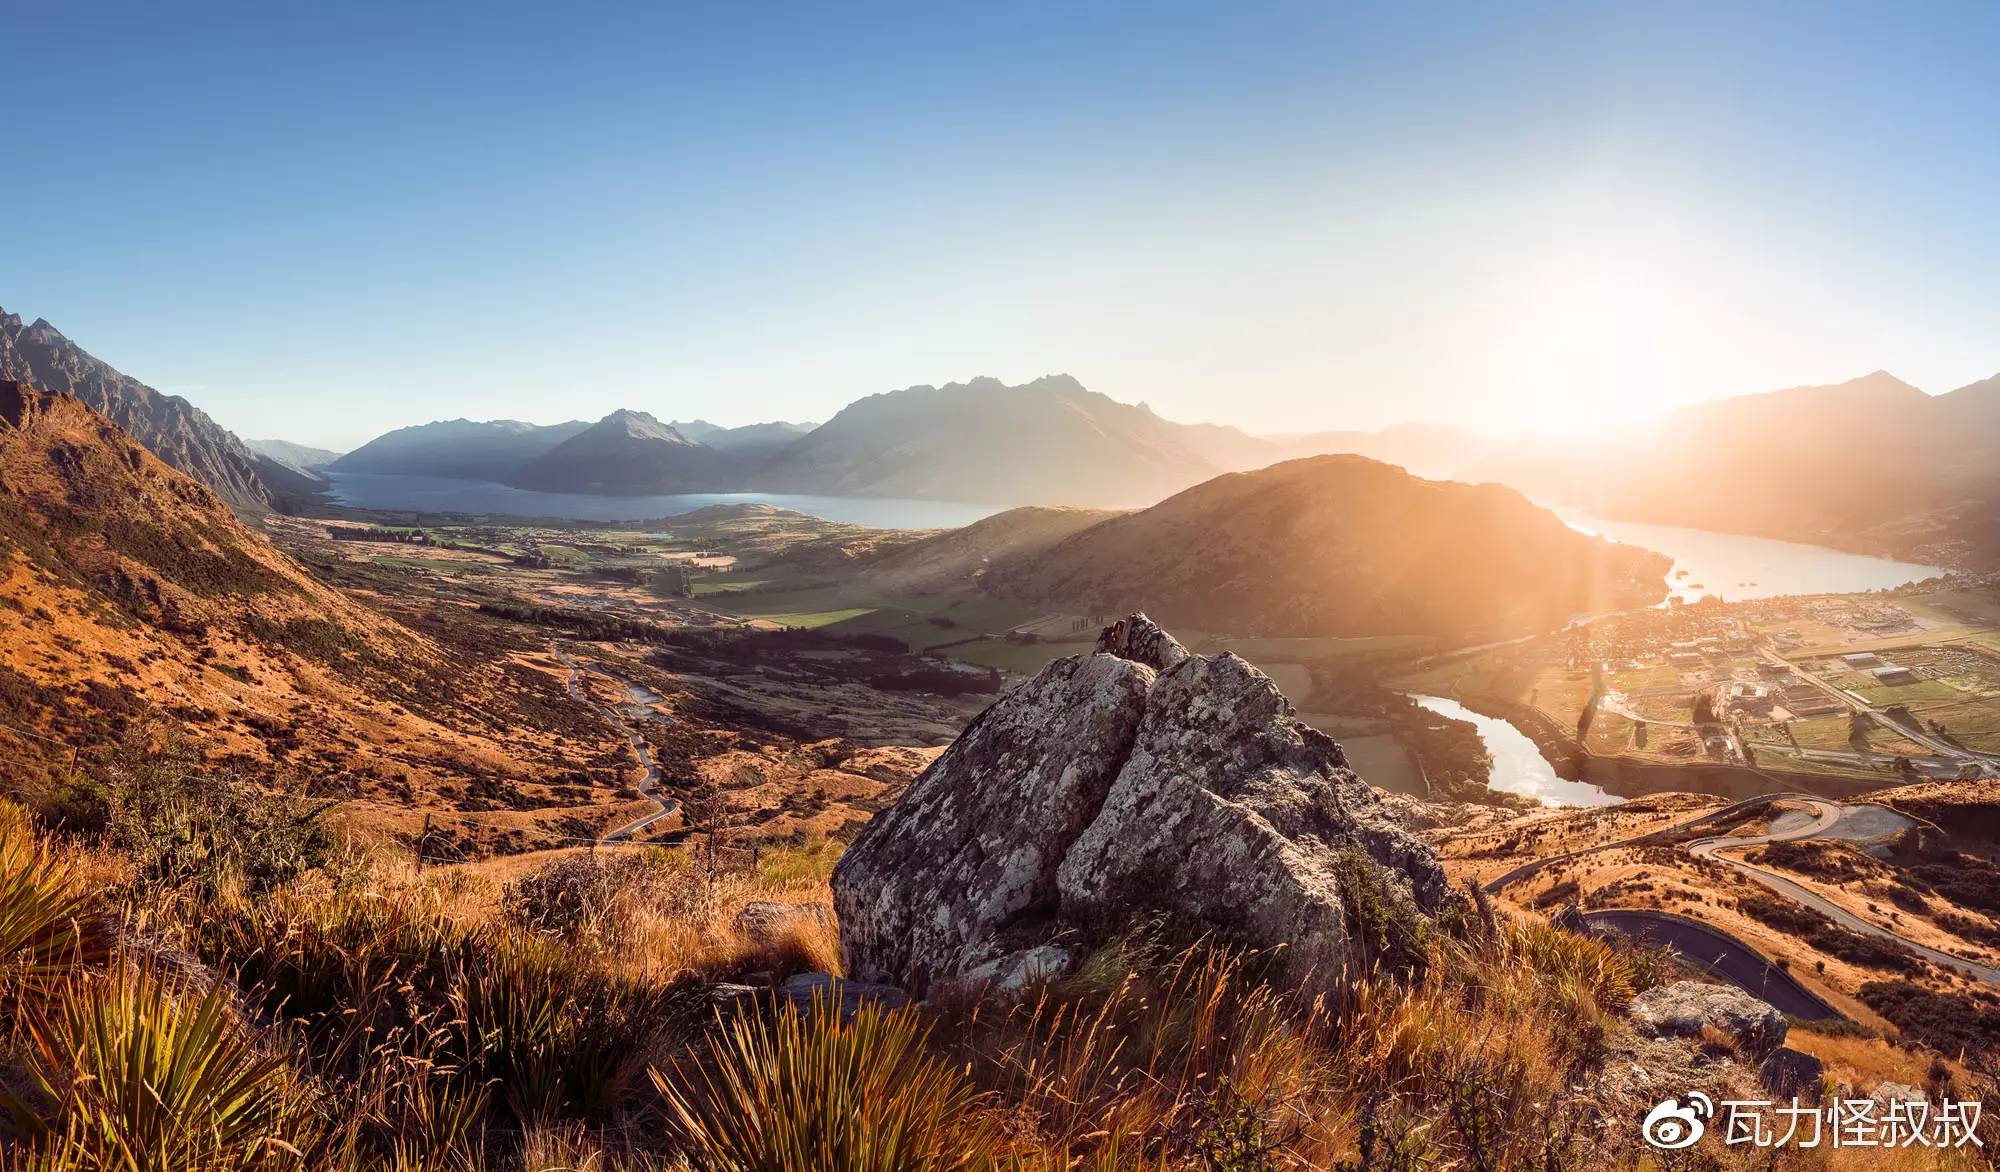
[(1684, 1008), (1138, 778), (962, 869)]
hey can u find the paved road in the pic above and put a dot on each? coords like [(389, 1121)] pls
[(1826, 814), (1526, 869), (1720, 953), (1735, 960), (648, 784)]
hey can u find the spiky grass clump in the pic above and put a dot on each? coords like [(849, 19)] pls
[(46, 929), (805, 1089), (138, 1070)]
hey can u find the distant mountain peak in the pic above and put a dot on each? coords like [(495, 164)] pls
[(639, 425)]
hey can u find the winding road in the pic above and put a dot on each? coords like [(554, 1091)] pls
[(1826, 815), (1720, 953), (1734, 960), (650, 783)]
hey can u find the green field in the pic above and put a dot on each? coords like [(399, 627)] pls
[(1920, 693), (1975, 722), (918, 620), (1650, 677), (719, 584), (442, 565)]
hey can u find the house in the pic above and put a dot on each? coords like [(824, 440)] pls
[(1890, 673), (1861, 659), (1750, 697)]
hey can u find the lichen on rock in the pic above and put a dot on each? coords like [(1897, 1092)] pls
[(1136, 779)]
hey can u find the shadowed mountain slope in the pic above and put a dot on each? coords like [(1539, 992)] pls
[(626, 453), (459, 449)]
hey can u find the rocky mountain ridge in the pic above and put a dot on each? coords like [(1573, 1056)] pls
[(169, 426)]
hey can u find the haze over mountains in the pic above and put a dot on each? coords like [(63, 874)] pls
[(1872, 464), (1048, 441)]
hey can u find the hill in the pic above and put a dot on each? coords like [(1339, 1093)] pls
[(1338, 545), (1049, 441), (627, 453), (458, 449), (131, 596), (299, 457), (169, 426), (958, 559)]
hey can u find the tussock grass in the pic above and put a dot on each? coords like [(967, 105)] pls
[(811, 1090), (137, 1070), (47, 928), (360, 1019)]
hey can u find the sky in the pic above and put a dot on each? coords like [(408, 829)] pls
[(319, 222)]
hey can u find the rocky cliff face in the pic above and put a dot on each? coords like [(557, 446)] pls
[(167, 425), (1139, 778)]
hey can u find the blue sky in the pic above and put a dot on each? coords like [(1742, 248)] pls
[(319, 222)]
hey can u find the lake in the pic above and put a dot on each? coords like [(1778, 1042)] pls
[(1729, 565), (437, 494), (1734, 567), (1518, 766)]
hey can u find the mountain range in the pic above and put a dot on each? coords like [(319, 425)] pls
[(1872, 464), (1049, 441), (626, 453)]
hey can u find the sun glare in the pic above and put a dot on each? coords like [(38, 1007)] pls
[(1594, 343)]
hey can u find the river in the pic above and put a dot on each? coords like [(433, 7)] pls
[(1518, 766), (437, 494), (1734, 567)]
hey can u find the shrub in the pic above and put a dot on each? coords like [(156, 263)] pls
[(184, 825), (600, 898)]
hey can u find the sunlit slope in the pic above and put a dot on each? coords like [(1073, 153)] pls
[(1339, 545)]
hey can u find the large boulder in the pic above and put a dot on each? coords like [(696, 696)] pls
[(1136, 779), (1231, 812), (1684, 1008), (961, 870)]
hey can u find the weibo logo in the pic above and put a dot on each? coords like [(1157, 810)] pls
[(1671, 1126)]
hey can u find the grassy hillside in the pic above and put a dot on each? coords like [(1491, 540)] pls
[(1338, 545)]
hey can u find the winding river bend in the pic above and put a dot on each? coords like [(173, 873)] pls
[(1518, 766)]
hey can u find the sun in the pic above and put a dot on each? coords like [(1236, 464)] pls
[(1593, 343)]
